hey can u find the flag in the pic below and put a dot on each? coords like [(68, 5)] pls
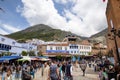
[(103, 0), (1, 9)]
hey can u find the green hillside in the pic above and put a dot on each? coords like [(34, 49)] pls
[(40, 31)]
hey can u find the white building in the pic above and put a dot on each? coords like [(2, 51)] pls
[(73, 49), (57, 48), (84, 49), (35, 41), (64, 47), (12, 46), (76, 49)]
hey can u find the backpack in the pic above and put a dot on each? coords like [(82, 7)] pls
[(68, 72), (68, 75), (53, 72), (26, 76)]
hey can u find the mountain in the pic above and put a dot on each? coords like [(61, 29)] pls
[(99, 37), (40, 31), (46, 33)]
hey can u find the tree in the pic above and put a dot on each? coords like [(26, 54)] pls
[(7, 54), (24, 53), (31, 53), (39, 53), (2, 54), (89, 53), (58, 57), (82, 56)]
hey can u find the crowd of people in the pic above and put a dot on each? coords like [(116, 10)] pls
[(106, 69), (17, 71), (50, 70), (57, 70)]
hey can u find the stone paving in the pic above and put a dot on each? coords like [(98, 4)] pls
[(77, 74)]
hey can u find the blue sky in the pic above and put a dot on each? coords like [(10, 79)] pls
[(10, 16), (68, 15)]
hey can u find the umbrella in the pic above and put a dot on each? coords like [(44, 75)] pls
[(35, 59), (44, 59), (25, 58)]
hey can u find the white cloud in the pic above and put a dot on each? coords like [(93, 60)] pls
[(91, 11), (6, 28), (10, 28), (3, 32)]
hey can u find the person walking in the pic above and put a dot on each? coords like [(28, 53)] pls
[(4, 72), (68, 72), (32, 72), (46, 71), (54, 71), (83, 66), (9, 75), (13, 73), (63, 68)]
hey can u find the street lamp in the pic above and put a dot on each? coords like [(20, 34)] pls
[(114, 34)]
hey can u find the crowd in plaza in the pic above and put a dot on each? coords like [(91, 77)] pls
[(50, 70), (107, 70), (57, 70)]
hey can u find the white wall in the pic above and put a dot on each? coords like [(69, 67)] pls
[(81, 50), (6, 40), (17, 47), (54, 47), (73, 50), (84, 49)]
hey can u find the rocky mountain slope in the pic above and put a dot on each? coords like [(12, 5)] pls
[(40, 31), (46, 33)]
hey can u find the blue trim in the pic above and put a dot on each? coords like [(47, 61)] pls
[(7, 58), (57, 51)]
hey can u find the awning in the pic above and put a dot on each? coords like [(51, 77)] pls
[(35, 59), (8, 58), (44, 59), (25, 58)]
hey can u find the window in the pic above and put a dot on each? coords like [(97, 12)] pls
[(65, 48), (74, 51), (51, 48), (81, 47), (56, 48), (60, 48), (70, 47), (71, 51), (10, 47), (13, 43), (2, 46), (5, 46), (2, 39)]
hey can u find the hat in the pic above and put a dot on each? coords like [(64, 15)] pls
[(110, 67)]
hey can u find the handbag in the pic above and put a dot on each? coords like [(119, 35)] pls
[(68, 78), (26, 76)]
